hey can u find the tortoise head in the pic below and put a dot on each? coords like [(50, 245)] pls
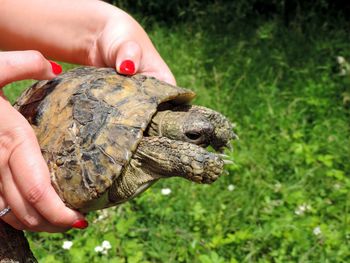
[(194, 124)]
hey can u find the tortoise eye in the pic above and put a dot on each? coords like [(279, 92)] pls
[(193, 136)]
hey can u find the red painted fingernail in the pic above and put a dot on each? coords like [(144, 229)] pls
[(81, 224), (127, 67), (56, 68)]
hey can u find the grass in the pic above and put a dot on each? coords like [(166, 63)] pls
[(291, 172)]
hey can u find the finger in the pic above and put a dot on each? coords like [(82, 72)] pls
[(128, 58), (163, 75), (33, 180), (2, 95), (18, 144), (9, 218), (153, 65), (130, 61), (22, 213), (19, 65)]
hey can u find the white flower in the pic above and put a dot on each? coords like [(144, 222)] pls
[(102, 214), (317, 231), (230, 187), (340, 60), (103, 249), (98, 249), (67, 245), (166, 191), (302, 209), (342, 72), (106, 245)]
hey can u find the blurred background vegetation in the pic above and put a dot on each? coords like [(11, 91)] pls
[(278, 70), (172, 12)]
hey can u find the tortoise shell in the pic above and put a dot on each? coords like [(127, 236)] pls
[(89, 121)]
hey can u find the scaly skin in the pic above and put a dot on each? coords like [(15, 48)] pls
[(194, 124), (160, 157), (176, 148)]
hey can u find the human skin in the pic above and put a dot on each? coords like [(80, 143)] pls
[(85, 32)]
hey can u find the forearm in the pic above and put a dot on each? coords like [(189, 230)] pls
[(65, 30)]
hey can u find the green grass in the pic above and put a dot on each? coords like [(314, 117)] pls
[(291, 171)]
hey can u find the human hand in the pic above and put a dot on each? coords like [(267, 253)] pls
[(101, 35), (124, 44), (24, 177)]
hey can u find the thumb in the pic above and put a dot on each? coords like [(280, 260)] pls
[(20, 65), (128, 58)]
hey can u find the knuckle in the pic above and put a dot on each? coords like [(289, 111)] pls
[(19, 65), (14, 134), (36, 194), (30, 221), (10, 139), (38, 61), (6, 140), (134, 46), (35, 55)]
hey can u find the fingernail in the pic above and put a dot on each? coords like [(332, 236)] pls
[(81, 224), (127, 67), (56, 68)]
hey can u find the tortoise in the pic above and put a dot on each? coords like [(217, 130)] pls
[(107, 137)]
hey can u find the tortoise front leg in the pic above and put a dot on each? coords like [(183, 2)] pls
[(160, 157)]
